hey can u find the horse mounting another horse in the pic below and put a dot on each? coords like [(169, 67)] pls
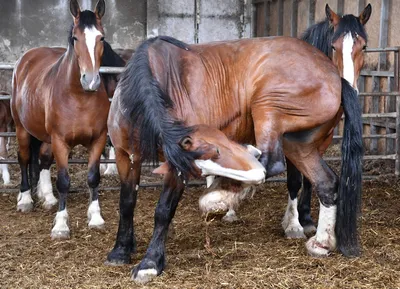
[(59, 101), (255, 91)]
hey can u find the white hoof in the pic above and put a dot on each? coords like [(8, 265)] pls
[(60, 229), (230, 216), (145, 276), (95, 220), (25, 202), (49, 203), (316, 249), (293, 232)]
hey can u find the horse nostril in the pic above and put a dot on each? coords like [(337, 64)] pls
[(84, 76)]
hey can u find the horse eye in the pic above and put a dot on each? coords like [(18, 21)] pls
[(74, 38), (333, 48), (218, 151), (102, 38), (364, 47)]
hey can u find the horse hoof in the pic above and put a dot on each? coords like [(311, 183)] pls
[(59, 235), (96, 222), (144, 276), (230, 218), (120, 256), (309, 229), (49, 204), (25, 208), (316, 249), (294, 233)]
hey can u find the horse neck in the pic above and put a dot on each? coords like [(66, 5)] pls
[(68, 69)]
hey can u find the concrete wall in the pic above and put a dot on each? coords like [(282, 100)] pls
[(31, 23)]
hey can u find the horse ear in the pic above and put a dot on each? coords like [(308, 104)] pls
[(332, 16), (365, 14), (186, 143), (162, 170), (100, 9), (74, 8)]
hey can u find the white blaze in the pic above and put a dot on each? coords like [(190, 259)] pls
[(348, 65), (90, 36)]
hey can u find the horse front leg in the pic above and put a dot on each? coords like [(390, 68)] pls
[(45, 188), (95, 220), (153, 262), (129, 169), (61, 151), (24, 200)]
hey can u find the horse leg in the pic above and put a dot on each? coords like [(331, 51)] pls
[(129, 174), (34, 163), (269, 141), (45, 188), (61, 151), (290, 222), (95, 220), (25, 202), (304, 208), (111, 168), (153, 262), (3, 155), (325, 183)]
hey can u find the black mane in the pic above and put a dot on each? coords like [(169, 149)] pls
[(321, 34)]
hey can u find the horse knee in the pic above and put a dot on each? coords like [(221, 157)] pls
[(63, 181), (327, 191), (94, 177)]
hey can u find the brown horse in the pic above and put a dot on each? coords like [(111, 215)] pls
[(343, 39), (280, 93), (6, 123), (59, 102)]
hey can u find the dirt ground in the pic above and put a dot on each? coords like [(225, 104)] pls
[(251, 253)]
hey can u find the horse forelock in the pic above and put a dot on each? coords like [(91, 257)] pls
[(87, 19), (350, 24)]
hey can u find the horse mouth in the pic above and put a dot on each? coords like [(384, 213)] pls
[(252, 177)]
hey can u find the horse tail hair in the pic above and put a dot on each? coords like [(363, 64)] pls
[(148, 108), (349, 195)]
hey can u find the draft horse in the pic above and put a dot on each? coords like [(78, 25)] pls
[(254, 90), (343, 39), (58, 102)]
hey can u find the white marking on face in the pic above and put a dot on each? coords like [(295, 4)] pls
[(348, 65), (90, 35), (254, 176)]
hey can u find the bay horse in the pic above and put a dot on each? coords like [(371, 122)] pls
[(58, 102), (6, 122), (343, 39), (255, 91)]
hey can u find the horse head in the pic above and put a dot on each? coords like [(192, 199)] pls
[(87, 36), (219, 156), (349, 41)]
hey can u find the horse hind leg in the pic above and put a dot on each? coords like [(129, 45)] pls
[(290, 223), (45, 188), (111, 168), (34, 163), (325, 183), (3, 155), (304, 208)]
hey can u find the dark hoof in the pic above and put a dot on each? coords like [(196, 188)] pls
[(145, 272), (118, 256)]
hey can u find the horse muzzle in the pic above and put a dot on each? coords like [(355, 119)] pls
[(90, 81)]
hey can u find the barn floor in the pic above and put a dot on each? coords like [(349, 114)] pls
[(252, 253)]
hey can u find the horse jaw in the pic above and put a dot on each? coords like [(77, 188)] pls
[(210, 168)]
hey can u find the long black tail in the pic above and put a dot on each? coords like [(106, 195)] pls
[(148, 108), (349, 197)]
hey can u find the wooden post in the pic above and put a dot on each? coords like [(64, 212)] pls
[(293, 24), (396, 82), (383, 33), (280, 18), (311, 12), (266, 17), (340, 7)]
